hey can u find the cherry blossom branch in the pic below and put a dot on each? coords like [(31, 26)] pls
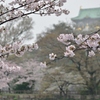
[(16, 48), (14, 9), (46, 6), (71, 48), (90, 36)]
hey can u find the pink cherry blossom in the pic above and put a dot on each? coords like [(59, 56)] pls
[(92, 43), (52, 56), (69, 53), (65, 38), (43, 65), (91, 53)]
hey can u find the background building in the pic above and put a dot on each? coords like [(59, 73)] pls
[(87, 19)]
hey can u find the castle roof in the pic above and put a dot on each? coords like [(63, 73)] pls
[(92, 13)]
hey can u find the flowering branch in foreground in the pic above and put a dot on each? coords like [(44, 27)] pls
[(20, 8), (90, 43)]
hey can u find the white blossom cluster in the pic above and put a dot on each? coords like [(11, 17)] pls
[(87, 42), (30, 72), (16, 48), (9, 66), (90, 43), (43, 65), (8, 72), (52, 56)]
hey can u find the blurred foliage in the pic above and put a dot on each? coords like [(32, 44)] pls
[(20, 29), (22, 87)]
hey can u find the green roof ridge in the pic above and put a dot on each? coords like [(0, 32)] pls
[(88, 13)]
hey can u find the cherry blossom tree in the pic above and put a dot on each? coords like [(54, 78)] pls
[(58, 81), (8, 71), (32, 71), (22, 8), (73, 55), (17, 9), (28, 72), (86, 64)]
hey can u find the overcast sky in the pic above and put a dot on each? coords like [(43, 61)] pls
[(41, 23)]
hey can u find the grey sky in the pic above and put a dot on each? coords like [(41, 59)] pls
[(41, 23)]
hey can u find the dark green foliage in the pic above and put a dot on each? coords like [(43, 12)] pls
[(24, 86)]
